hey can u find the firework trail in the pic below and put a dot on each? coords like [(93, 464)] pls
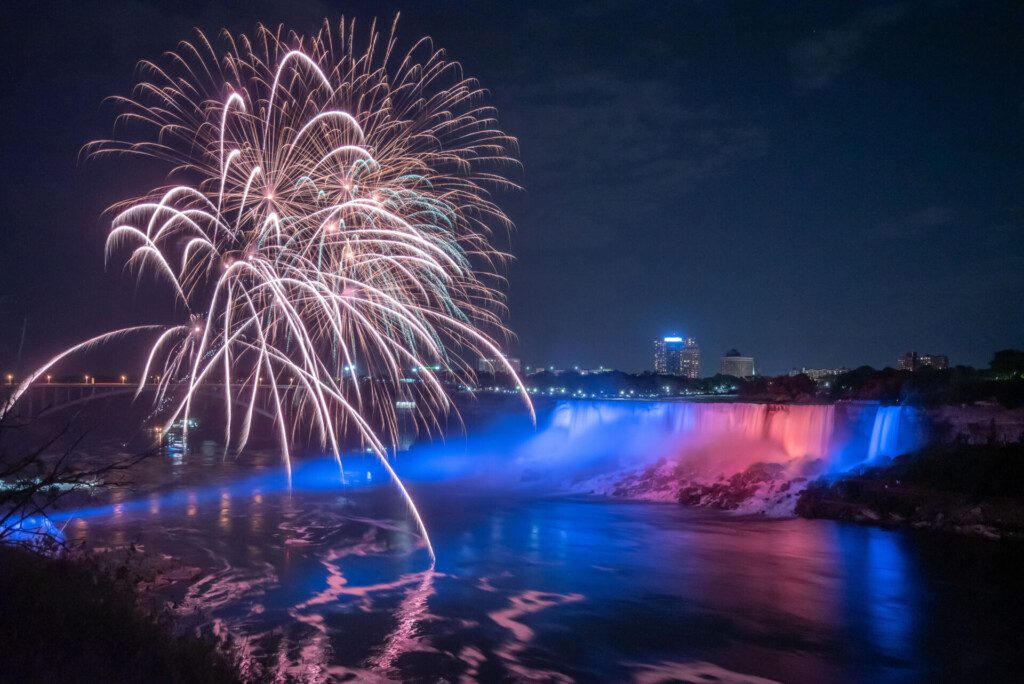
[(327, 228)]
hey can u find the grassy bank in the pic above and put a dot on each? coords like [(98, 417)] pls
[(971, 489), (71, 620)]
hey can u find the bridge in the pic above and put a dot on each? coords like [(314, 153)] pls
[(46, 398)]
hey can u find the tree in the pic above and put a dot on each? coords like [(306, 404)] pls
[(781, 389), (34, 477), (1008, 363)]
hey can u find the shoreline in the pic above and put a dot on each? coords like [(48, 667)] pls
[(98, 611), (960, 488), (967, 489)]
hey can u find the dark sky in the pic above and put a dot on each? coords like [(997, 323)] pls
[(816, 183)]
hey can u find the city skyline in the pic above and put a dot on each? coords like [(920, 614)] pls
[(802, 201), (326, 341), (667, 360)]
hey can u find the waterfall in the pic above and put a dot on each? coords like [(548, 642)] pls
[(742, 456), (885, 433), (633, 432), (747, 457), (800, 431)]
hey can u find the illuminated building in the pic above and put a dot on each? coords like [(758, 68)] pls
[(736, 365), (495, 366), (689, 359), (912, 361), (675, 355), (819, 374)]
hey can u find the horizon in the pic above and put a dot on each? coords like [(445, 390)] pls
[(838, 190)]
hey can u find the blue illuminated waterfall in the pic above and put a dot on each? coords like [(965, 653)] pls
[(607, 434), (885, 433), (577, 441)]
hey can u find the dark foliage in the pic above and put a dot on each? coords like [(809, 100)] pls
[(1008, 363), (616, 383), (979, 472), (1002, 383), (35, 472), (929, 387), (962, 487), (65, 617), (64, 620), (782, 389)]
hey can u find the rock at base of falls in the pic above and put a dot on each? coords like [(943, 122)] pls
[(770, 489)]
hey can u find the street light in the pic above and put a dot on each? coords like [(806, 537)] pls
[(124, 379), (10, 378), (48, 378)]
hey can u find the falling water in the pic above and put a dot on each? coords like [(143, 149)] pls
[(885, 433), (749, 457), (584, 439), (800, 431)]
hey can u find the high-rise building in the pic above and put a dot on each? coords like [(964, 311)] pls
[(912, 361), (663, 349), (736, 365), (689, 359), (675, 355)]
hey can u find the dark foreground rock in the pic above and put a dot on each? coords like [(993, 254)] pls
[(963, 488), (65, 619)]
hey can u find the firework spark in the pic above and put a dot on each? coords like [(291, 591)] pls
[(328, 227)]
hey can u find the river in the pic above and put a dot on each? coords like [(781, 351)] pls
[(328, 581)]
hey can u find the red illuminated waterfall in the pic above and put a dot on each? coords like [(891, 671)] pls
[(741, 456), (799, 431)]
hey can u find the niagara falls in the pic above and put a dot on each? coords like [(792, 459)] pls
[(453, 342)]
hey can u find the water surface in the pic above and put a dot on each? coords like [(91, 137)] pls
[(328, 581)]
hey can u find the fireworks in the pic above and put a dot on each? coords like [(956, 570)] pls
[(327, 228)]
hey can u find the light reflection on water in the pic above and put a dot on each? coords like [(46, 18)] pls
[(326, 581)]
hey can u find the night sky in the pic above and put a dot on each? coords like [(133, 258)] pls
[(815, 184)]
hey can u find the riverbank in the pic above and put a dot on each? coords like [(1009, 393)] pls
[(79, 618), (968, 489)]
